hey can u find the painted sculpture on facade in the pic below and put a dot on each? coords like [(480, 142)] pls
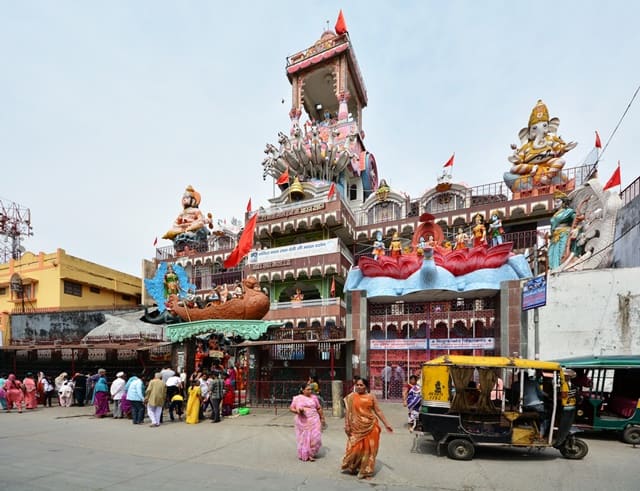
[(583, 228), (177, 302), (538, 160), (457, 263), (189, 230)]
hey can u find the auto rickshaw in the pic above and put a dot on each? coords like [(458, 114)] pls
[(466, 402), (608, 394)]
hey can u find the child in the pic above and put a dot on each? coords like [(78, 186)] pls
[(176, 406)]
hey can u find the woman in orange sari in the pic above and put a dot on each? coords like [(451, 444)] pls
[(363, 431)]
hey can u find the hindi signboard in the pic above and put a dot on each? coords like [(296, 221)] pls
[(534, 293), (462, 343)]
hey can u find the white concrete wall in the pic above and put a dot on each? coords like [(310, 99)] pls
[(590, 313)]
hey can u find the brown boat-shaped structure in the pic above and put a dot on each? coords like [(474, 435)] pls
[(253, 305)]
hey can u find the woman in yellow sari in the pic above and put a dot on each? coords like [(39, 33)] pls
[(193, 403), (363, 431)]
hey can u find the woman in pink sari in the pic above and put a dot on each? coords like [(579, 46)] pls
[(30, 391), (308, 423), (363, 431), (14, 393)]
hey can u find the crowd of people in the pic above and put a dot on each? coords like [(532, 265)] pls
[(207, 394)]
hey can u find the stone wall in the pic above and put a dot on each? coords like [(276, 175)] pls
[(593, 312), (68, 327)]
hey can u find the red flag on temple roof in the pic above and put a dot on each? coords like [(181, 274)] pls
[(244, 244), (614, 180), (598, 142), (284, 177), (249, 206), (449, 163), (341, 25), (332, 191), (155, 241)]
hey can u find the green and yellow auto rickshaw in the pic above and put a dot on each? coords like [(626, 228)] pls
[(608, 394), (472, 400)]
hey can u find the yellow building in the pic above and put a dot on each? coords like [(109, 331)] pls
[(58, 282)]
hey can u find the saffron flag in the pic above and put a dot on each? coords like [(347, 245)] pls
[(244, 244), (284, 177), (332, 191), (598, 142), (333, 287), (155, 241), (449, 163), (249, 206), (341, 25), (614, 180)]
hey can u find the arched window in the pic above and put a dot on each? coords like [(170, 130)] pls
[(353, 192)]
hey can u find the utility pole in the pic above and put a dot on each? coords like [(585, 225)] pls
[(536, 320)]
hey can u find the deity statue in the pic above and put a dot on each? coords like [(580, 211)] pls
[(378, 246), (562, 222), (495, 230), (189, 229), (461, 239), (171, 282), (298, 296), (538, 162), (422, 245), (395, 246), (479, 231)]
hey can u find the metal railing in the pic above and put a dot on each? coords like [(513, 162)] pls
[(279, 393), (630, 192)]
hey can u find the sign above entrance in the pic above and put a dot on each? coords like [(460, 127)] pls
[(294, 251), (398, 344), (463, 343)]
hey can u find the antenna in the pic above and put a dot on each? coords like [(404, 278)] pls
[(15, 224)]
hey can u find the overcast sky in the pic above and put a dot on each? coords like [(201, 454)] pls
[(108, 110)]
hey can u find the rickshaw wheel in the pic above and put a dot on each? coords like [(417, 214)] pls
[(574, 449), (631, 434), (460, 449)]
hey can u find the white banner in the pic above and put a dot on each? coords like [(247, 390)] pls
[(294, 251), (398, 344), (462, 343)]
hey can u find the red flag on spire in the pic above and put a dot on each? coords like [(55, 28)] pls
[(333, 287), (155, 241), (244, 244), (332, 191), (341, 25), (284, 177), (249, 206), (614, 180), (449, 163), (598, 142)]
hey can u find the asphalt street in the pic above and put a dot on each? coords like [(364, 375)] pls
[(66, 448)]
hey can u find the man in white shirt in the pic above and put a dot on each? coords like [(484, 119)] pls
[(166, 373), (117, 391), (174, 386)]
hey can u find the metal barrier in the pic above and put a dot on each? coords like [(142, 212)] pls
[(279, 393)]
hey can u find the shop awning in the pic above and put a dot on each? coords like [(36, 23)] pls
[(248, 329)]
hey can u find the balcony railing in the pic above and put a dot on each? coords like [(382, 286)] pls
[(482, 195), (320, 302)]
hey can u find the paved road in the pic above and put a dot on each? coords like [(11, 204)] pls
[(66, 448)]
